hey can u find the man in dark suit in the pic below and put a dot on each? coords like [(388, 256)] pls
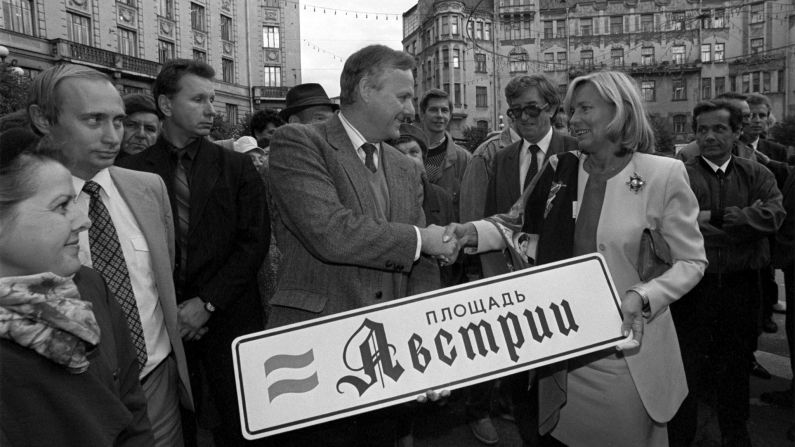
[(348, 217), (532, 103), (755, 132), (223, 232)]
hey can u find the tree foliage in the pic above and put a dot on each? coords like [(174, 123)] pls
[(663, 134), (13, 91), (473, 136), (783, 132)]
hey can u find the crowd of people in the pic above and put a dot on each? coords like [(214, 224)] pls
[(134, 249)]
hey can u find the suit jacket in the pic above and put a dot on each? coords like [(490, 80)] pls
[(772, 149), (336, 254), (451, 175), (665, 202), (228, 235), (503, 189), (147, 197)]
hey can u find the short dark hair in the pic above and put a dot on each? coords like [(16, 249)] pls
[(434, 93), (546, 89), (732, 96), (371, 61), (757, 99), (167, 81), (261, 118), (21, 153), (735, 115)]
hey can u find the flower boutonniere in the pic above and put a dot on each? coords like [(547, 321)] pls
[(636, 183), (556, 188)]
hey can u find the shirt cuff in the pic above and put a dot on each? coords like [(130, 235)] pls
[(489, 237), (419, 244)]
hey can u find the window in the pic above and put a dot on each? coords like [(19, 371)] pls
[(516, 28), (199, 56), (481, 99), (454, 25), (586, 58), (197, 21), (549, 61), (586, 27), (648, 90), (19, 16), (270, 37), (228, 70), (647, 23), (678, 52), (718, 20), (479, 31), (766, 81), (680, 124), (755, 81), (446, 58), (127, 2), (226, 28), (757, 45), (487, 31), (616, 25), (517, 61), (78, 29), (480, 63), (720, 85), (719, 52), (560, 28), (457, 94), (165, 51), (617, 57), (757, 13), (231, 113), (445, 25), (272, 76), (562, 60), (679, 89), (706, 88), (677, 21), (780, 77), (456, 58), (647, 56), (746, 83), (706, 53), (128, 42), (471, 29), (167, 9), (548, 33), (733, 82)]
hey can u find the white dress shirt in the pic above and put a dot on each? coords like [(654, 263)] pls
[(139, 264), (358, 140), (524, 156)]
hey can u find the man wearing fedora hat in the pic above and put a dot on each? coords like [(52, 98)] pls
[(307, 104)]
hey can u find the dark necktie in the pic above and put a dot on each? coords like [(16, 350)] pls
[(182, 196), (108, 260), (369, 161), (718, 209), (533, 169)]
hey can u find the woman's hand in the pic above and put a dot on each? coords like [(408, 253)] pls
[(632, 310), (433, 396)]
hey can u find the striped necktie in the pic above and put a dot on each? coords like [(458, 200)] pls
[(108, 259), (369, 161), (182, 196)]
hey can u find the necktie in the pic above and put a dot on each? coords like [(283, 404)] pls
[(369, 161), (182, 196), (108, 260), (718, 210), (533, 169)]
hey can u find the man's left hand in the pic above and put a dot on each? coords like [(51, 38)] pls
[(192, 318)]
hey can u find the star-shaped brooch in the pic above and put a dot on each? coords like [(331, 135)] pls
[(636, 183)]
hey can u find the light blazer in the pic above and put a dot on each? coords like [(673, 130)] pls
[(147, 198), (666, 202), (336, 254)]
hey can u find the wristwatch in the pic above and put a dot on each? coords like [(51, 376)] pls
[(208, 306)]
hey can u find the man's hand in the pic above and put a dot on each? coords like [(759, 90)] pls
[(192, 318), (432, 244), (632, 310), (733, 216), (466, 234)]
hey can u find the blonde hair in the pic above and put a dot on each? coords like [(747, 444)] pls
[(630, 126)]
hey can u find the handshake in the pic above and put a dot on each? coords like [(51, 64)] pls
[(444, 243)]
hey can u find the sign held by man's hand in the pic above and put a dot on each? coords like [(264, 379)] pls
[(364, 359)]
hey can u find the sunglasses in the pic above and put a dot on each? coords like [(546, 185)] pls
[(531, 110)]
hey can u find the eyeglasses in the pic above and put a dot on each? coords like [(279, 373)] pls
[(531, 110)]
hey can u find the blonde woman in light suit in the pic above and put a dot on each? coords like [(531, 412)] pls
[(617, 189)]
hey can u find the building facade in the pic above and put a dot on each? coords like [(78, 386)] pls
[(253, 46), (679, 51)]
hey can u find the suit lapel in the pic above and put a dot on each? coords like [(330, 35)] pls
[(510, 179), (351, 164), (205, 175), (397, 180)]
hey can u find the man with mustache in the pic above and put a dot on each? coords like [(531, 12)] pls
[(223, 233), (131, 240)]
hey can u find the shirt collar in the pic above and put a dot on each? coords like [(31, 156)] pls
[(715, 167), (191, 149), (543, 144), (356, 137)]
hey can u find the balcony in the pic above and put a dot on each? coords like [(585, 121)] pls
[(511, 7), (63, 48), (269, 93)]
